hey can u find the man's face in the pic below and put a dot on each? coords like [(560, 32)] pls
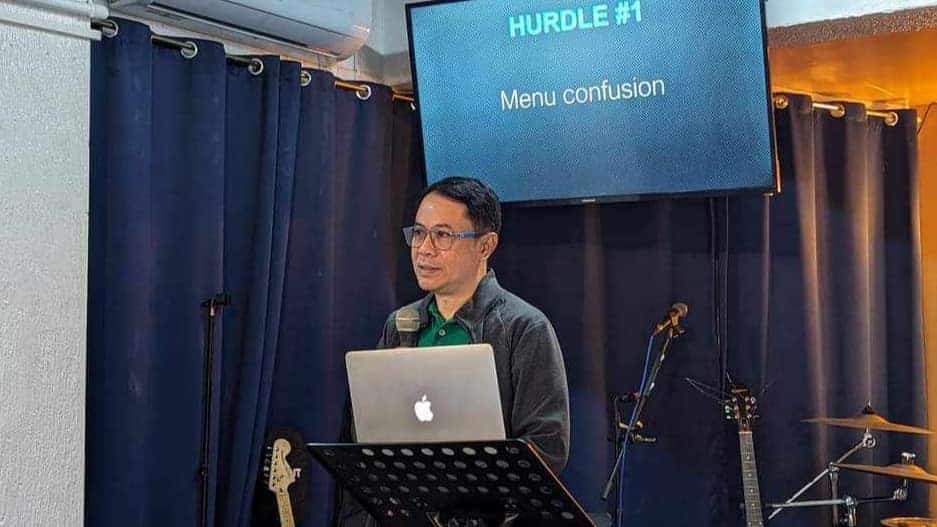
[(446, 271)]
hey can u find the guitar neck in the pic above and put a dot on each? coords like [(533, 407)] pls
[(753, 516), (285, 509)]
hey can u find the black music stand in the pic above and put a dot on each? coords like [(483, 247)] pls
[(491, 483)]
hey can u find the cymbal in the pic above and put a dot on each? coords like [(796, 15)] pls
[(909, 522), (897, 470), (868, 419)]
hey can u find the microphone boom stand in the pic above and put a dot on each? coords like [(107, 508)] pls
[(634, 426)]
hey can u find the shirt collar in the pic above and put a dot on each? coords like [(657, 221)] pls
[(435, 315)]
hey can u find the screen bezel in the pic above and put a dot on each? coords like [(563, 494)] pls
[(617, 198)]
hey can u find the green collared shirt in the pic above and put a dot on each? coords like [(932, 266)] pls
[(442, 332)]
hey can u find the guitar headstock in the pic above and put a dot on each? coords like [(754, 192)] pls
[(278, 473), (741, 406)]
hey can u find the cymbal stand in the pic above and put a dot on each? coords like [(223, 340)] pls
[(831, 472), (849, 518)]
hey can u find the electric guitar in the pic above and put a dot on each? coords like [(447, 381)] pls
[(741, 407), (279, 476)]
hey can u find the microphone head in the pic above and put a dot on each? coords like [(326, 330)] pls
[(407, 320), (681, 308)]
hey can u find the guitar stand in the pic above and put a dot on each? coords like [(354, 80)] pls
[(832, 473), (452, 484)]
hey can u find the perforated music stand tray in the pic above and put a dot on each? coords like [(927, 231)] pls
[(505, 483)]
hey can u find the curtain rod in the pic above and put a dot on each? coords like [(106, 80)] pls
[(838, 110), (364, 91), (189, 49)]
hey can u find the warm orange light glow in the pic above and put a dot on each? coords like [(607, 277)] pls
[(897, 70)]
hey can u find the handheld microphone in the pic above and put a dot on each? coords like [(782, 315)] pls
[(672, 320), (407, 320)]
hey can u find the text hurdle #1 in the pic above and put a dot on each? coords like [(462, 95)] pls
[(595, 16)]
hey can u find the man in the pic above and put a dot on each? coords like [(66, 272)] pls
[(455, 233)]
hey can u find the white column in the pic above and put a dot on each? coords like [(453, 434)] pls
[(44, 113)]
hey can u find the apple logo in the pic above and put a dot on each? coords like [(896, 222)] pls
[(422, 410)]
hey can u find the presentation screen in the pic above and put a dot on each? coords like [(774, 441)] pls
[(594, 100)]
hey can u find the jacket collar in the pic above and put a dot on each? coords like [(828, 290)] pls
[(473, 312)]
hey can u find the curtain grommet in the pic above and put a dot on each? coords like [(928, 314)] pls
[(190, 50), (256, 66), (109, 28), (367, 92), (839, 111), (891, 119), (305, 78), (781, 102)]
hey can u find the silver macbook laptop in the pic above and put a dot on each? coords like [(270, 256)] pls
[(446, 393)]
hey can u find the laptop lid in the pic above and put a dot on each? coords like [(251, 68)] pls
[(445, 393)]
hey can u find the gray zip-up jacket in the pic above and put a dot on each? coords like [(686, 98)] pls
[(530, 369)]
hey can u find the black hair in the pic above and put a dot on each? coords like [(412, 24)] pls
[(484, 207)]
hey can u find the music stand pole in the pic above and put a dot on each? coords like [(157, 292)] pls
[(211, 305)]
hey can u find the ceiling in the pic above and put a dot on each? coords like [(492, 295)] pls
[(884, 70), (794, 12)]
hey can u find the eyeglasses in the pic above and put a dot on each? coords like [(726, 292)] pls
[(442, 239)]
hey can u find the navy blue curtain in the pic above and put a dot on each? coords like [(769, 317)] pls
[(605, 274), (824, 302), (156, 247), (262, 122), (209, 179), (343, 260)]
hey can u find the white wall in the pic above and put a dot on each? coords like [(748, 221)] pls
[(44, 89), (389, 35)]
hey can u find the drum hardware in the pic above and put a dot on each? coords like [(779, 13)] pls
[(867, 420)]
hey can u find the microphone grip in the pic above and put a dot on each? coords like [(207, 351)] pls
[(408, 339)]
